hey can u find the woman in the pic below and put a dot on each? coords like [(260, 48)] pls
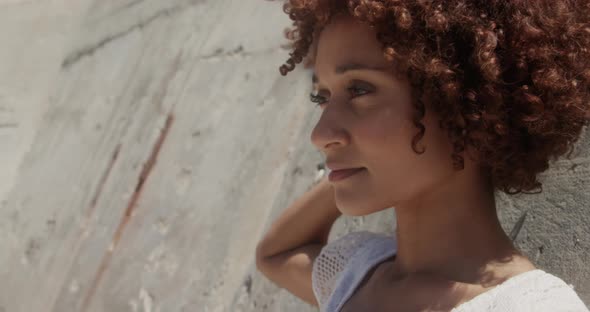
[(430, 107)]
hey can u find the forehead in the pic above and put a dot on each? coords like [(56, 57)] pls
[(345, 40)]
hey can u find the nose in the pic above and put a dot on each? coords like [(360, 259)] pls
[(329, 131)]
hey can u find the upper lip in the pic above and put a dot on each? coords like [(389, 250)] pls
[(336, 166)]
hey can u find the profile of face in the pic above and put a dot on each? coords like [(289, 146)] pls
[(366, 121)]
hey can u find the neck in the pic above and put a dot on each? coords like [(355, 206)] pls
[(453, 231)]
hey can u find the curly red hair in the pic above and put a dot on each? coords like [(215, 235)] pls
[(510, 79)]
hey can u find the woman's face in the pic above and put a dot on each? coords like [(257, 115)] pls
[(366, 121)]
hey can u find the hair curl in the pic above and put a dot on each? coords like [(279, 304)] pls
[(511, 79)]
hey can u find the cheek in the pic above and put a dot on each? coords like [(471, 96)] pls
[(386, 126), (386, 147), (386, 139), (397, 172), (434, 166)]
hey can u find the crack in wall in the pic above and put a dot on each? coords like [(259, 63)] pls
[(103, 181), (143, 176), (9, 125), (518, 226), (92, 206), (130, 4), (76, 56), (17, 3), (220, 54)]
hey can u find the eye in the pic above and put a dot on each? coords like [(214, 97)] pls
[(356, 90)]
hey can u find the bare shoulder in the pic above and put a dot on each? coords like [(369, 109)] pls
[(381, 290), (413, 293), (424, 292)]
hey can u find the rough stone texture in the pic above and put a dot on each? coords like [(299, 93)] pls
[(34, 36), (162, 142)]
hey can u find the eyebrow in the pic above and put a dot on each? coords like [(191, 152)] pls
[(348, 67)]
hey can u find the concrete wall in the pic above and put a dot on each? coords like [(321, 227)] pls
[(34, 36), (146, 146)]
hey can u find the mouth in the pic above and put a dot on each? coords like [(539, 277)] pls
[(338, 175)]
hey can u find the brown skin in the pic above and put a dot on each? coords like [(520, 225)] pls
[(447, 226)]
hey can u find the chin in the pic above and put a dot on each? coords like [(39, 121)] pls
[(348, 208), (357, 210), (353, 212)]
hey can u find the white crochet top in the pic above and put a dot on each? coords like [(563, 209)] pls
[(342, 264)]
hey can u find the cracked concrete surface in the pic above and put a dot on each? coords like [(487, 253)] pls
[(146, 145), (163, 13), (34, 36)]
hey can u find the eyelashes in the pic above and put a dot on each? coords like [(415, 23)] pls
[(318, 99), (354, 91)]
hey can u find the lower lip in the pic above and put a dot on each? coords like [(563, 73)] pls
[(338, 175)]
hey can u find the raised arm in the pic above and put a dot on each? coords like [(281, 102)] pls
[(286, 252)]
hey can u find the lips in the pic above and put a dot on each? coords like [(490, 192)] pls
[(341, 174), (339, 166)]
